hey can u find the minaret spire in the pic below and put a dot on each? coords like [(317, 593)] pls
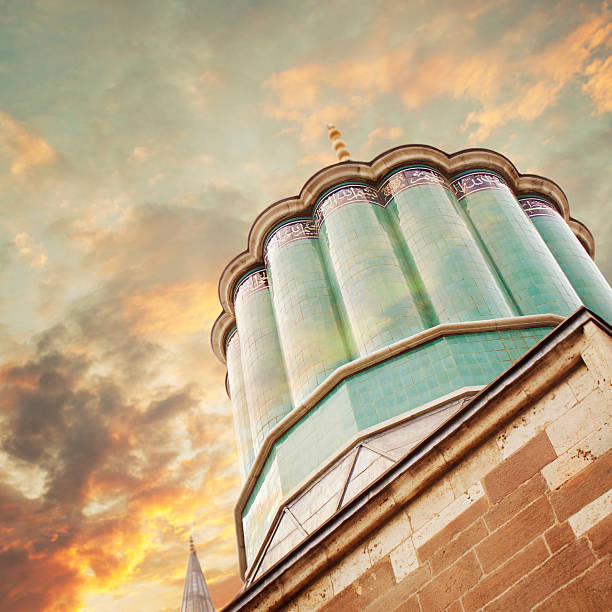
[(196, 597), (338, 145)]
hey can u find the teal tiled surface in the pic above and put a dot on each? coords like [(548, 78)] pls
[(533, 277), (307, 318), (361, 276), (382, 392), (359, 250), (240, 409), (575, 262), (456, 276), (265, 381)]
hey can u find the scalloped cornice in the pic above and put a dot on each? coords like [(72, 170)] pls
[(302, 205)]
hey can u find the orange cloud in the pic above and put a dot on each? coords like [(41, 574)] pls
[(599, 84), (297, 95), (123, 479), (171, 310), (505, 85), (548, 72), (26, 149)]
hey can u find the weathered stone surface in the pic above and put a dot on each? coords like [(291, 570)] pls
[(515, 534), (519, 467)]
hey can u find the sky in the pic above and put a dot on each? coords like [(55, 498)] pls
[(138, 141)]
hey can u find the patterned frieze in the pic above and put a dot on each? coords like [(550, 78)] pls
[(346, 194), (411, 177), (301, 229), (254, 282), (538, 207), (476, 181)]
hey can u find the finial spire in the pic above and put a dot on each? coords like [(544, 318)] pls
[(338, 145), (196, 596)]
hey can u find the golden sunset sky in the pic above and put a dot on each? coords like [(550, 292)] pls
[(138, 141)]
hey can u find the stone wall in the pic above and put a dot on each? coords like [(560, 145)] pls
[(512, 512), (525, 521)]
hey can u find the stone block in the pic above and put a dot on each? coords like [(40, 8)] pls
[(316, 595), (578, 457), (458, 546), (519, 467), (506, 575), (600, 536), (557, 571), (591, 591), (457, 525), (474, 466), (418, 477), (535, 419), (583, 488), (447, 514), (363, 590), (397, 597), (430, 503), (581, 382), (388, 537), (513, 503), (515, 534), (558, 536), (349, 569), (451, 584), (589, 414), (591, 514), (403, 560)]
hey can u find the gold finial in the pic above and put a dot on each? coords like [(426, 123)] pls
[(338, 144), (191, 545)]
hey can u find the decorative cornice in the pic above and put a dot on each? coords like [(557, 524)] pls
[(372, 172), (349, 369), (583, 234)]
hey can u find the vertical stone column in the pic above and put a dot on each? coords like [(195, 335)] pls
[(240, 408), (458, 280), (265, 381), (575, 262), (363, 261), (531, 274), (309, 327)]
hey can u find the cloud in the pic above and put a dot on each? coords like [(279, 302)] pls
[(139, 154), (114, 437), (30, 250), (162, 243), (298, 95), (173, 309), (599, 84), (117, 469), (321, 159), (26, 149), (545, 74), (390, 133), (503, 83)]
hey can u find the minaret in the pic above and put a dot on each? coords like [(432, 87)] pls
[(338, 145), (196, 597)]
